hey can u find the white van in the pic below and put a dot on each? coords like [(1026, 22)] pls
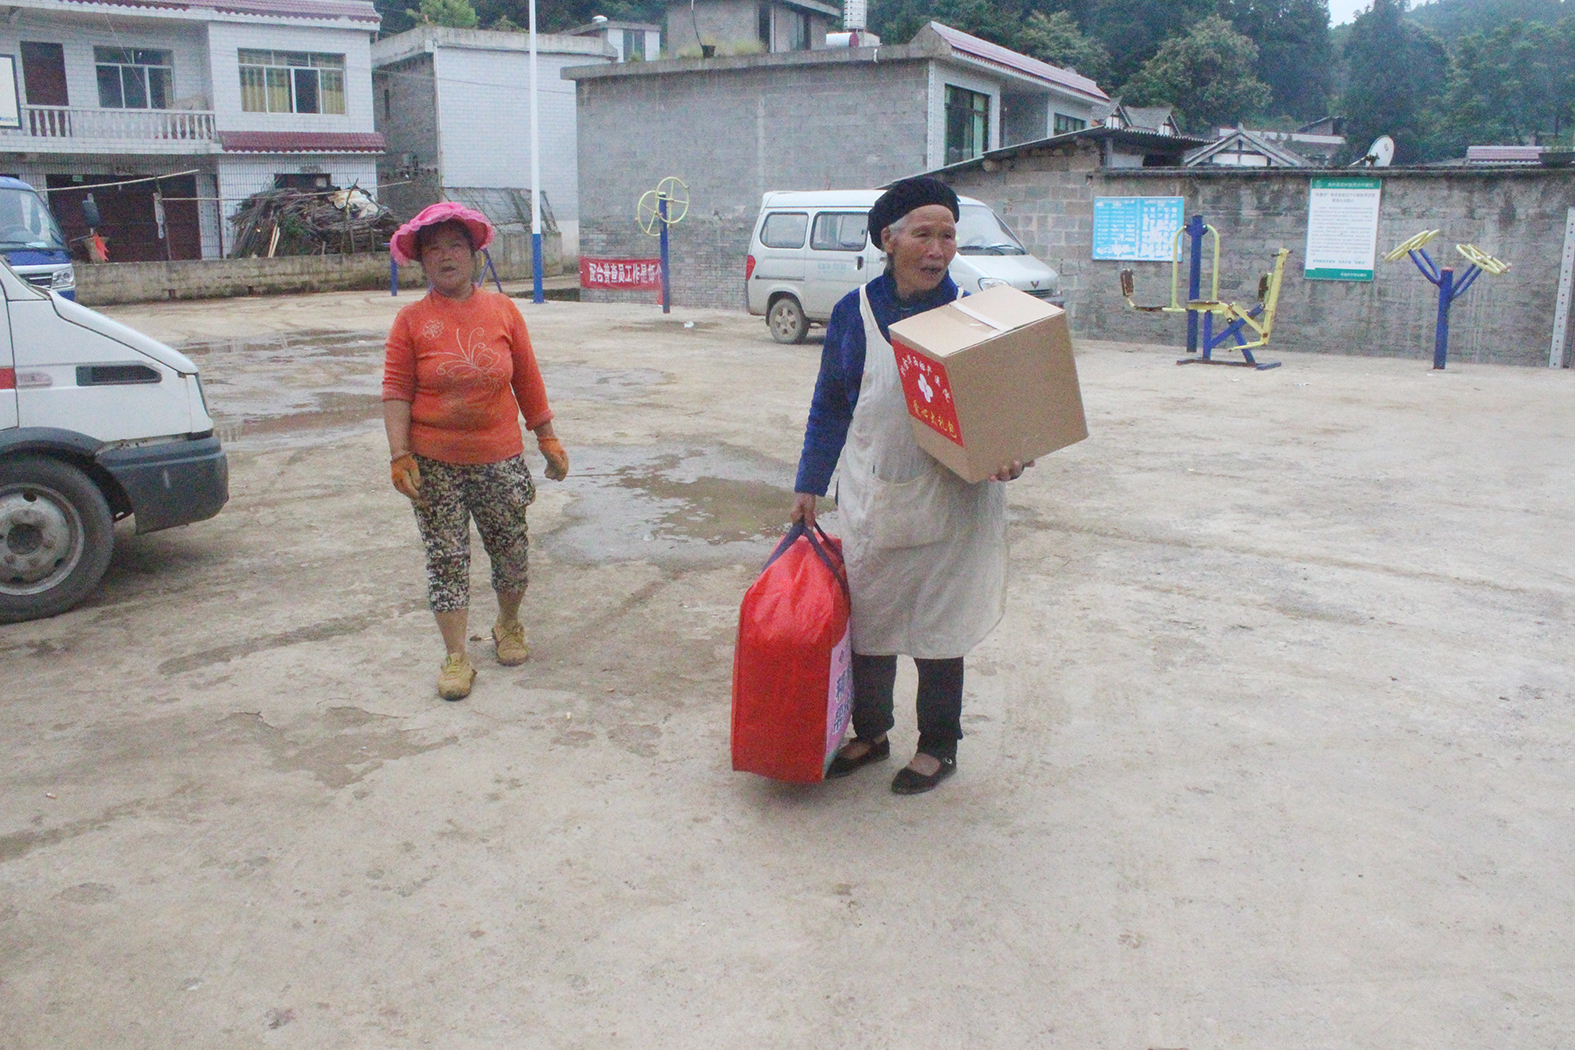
[(97, 422), (810, 249)]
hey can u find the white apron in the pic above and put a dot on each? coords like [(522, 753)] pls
[(926, 551)]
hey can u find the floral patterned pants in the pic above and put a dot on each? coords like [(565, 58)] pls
[(496, 495)]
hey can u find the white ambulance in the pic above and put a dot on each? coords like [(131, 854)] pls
[(97, 423)]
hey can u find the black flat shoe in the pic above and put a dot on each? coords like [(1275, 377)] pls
[(907, 782), (841, 765)]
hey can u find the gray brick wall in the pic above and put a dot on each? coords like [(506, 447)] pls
[(1516, 214), (732, 135)]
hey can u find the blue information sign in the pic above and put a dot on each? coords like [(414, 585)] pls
[(1137, 229)]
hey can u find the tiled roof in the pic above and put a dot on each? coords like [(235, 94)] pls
[(996, 55), (301, 141), (353, 10)]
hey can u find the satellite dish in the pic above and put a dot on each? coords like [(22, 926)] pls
[(1379, 154)]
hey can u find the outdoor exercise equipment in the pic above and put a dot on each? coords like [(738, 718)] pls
[(656, 211), (1444, 277), (1257, 319)]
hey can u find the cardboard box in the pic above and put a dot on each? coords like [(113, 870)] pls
[(989, 379)]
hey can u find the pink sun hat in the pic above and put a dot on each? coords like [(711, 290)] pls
[(403, 243)]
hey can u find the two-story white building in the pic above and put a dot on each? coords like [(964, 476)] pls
[(218, 98)]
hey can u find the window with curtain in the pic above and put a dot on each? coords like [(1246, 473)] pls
[(967, 124), (292, 82), (133, 78)]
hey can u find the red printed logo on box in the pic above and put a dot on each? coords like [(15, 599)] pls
[(928, 391)]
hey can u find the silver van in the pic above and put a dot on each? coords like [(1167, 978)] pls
[(809, 249)]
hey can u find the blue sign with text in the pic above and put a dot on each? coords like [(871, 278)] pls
[(1137, 229)]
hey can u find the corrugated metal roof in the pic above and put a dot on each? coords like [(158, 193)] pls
[(996, 55)]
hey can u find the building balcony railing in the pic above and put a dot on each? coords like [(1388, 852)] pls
[(65, 126)]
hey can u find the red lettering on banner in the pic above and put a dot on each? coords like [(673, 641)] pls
[(642, 275), (928, 392)]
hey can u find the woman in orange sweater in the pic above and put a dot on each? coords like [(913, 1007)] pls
[(458, 371)]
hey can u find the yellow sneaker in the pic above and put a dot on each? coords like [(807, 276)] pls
[(456, 677), (509, 642)]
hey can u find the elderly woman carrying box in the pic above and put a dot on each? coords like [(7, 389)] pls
[(925, 550), (457, 374)]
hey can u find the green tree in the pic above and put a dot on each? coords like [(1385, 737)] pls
[(1206, 73), (1294, 54), (1513, 85), (1392, 71), (455, 13), (1055, 39), (898, 20), (1133, 30)]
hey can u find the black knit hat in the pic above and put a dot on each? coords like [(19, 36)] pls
[(905, 195)]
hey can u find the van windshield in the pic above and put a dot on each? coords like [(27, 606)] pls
[(979, 232), (25, 222)]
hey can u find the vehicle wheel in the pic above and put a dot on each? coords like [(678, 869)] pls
[(787, 321), (56, 535)]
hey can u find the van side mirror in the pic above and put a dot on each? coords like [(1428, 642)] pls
[(90, 213)]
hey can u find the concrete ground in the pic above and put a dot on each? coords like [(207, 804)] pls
[(1272, 749)]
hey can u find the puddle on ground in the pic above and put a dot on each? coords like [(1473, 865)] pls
[(308, 386), (698, 507), (313, 386)]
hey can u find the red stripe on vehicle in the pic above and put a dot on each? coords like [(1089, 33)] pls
[(7, 379)]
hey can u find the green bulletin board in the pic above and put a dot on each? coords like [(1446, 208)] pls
[(1342, 229)]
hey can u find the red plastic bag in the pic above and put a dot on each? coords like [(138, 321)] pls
[(793, 666)]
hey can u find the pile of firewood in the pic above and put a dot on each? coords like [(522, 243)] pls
[(297, 222)]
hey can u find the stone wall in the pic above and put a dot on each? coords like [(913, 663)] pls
[(111, 283), (1518, 215)]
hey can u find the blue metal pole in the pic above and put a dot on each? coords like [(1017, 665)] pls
[(537, 295), (1194, 279), (1446, 281), (667, 297), (393, 276)]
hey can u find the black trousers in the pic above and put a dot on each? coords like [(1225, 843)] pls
[(939, 701)]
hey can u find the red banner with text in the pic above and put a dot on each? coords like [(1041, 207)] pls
[(625, 275)]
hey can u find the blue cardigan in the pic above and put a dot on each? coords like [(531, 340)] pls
[(842, 372)]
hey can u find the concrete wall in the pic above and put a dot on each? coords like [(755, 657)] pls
[(733, 133), (1515, 214), (721, 22), (112, 283)]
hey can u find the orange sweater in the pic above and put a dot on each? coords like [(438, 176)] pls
[(467, 369)]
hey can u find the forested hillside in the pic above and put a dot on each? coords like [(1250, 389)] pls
[(1439, 78)]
